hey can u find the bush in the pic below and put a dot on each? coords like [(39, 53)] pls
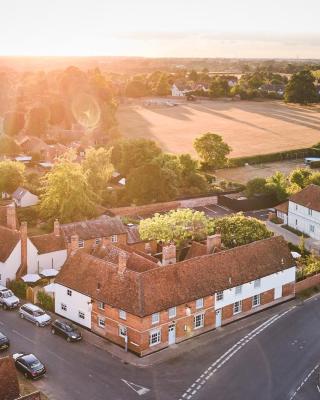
[(295, 231), (29, 214), (45, 301), (19, 288)]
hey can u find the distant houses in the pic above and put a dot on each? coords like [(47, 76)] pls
[(23, 198)]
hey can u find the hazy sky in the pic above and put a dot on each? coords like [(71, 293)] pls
[(191, 28)]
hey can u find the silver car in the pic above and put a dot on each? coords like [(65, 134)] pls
[(34, 314)]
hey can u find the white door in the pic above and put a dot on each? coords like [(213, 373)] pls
[(277, 292), (218, 318), (172, 334)]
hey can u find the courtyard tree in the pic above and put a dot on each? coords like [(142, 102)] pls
[(301, 89), (256, 186), (11, 176), (278, 185), (212, 150), (300, 177)]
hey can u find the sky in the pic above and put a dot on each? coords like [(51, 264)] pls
[(165, 28)]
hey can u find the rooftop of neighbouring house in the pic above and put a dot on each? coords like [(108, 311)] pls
[(48, 243), (283, 207), (19, 193), (153, 287), (9, 385), (308, 197), (8, 241)]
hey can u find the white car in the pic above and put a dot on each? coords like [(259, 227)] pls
[(34, 314), (7, 299)]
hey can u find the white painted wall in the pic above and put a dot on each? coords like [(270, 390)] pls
[(266, 283), (9, 268), (38, 262), (176, 92), (299, 218), (75, 303), (283, 216)]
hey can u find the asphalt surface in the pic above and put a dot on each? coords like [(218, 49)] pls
[(272, 355)]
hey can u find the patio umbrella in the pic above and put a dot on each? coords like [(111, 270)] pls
[(49, 273), (31, 278)]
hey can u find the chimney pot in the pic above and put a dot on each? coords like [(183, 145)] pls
[(11, 216), (74, 243), (213, 242), (24, 247), (169, 254), (122, 262), (56, 228)]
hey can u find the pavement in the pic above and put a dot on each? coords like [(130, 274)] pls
[(267, 356)]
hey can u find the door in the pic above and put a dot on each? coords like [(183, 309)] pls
[(218, 318), (172, 334), (278, 292)]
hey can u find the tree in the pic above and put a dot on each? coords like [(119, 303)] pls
[(256, 186), (13, 122), (193, 76), (301, 88), (163, 87), (300, 177), (66, 193), (175, 226), (237, 230), (278, 185), (212, 150), (8, 146), (98, 168), (137, 88), (11, 176), (38, 121)]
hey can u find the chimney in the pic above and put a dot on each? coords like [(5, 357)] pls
[(74, 243), (147, 248), (213, 242), (11, 217), (122, 262), (56, 228), (169, 254), (24, 246)]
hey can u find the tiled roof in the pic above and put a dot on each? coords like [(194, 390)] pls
[(9, 385), (283, 207), (19, 193), (103, 226), (8, 241), (162, 287), (133, 235), (308, 197), (195, 250), (48, 243)]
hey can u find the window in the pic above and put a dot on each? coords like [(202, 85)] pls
[(81, 243), (238, 289), (237, 307), (257, 283), (100, 305), (198, 321), (122, 314), (98, 240), (114, 238), (81, 315), (63, 307), (155, 337), (296, 206), (219, 296), (69, 292), (309, 211), (172, 312), (155, 318), (101, 322), (123, 331), (296, 222), (199, 304), (256, 300), (312, 228)]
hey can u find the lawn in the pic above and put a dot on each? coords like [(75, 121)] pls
[(249, 127)]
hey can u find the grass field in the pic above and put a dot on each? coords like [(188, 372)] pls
[(249, 127)]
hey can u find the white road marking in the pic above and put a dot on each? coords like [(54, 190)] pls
[(304, 381), (232, 351), (24, 337), (140, 390)]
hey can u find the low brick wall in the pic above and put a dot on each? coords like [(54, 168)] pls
[(308, 283)]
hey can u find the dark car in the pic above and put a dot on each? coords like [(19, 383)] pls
[(66, 329), (29, 365), (4, 342)]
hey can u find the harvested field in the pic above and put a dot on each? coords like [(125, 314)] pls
[(249, 127)]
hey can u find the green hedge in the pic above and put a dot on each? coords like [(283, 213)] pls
[(45, 301), (19, 288)]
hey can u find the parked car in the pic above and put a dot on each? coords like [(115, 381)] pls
[(4, 342), (7, 299), (29, 365), (66, 329), (34, 314)]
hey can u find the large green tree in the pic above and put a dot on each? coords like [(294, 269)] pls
[(256, 186), (67, 194), (301, 88), (212, 149), (11, 176), (38, 121), (278, 185), (13, 122)]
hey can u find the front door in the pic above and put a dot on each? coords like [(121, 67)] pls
[(218, 318), (278, 292), (172, 334)]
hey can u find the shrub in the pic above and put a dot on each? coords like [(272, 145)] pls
[(19, 288), (45, 301)]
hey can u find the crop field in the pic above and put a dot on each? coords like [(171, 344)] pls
[(249, 127)]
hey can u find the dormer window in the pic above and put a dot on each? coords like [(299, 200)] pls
[(114, 238), (98, 240), (81, 243)]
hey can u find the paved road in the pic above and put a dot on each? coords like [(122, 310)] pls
[(265, 357)]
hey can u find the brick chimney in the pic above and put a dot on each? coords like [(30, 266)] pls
[(11, 217), (122, 262), (213, 242), (24, 248), (74, 244), (56, 228), (147, 248), (169, 254)]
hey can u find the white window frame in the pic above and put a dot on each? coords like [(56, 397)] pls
[(309, 211), (198, 321), (122, 314), (199, 303), (172, 312), (219, 296), (237, 307), (69, 292), (63, 307), (81, 243), (256, 300), (257, 283), (114, 239), (101, 305), (81, 314), (155, 318), (101, 322), (238, 290), (123, 331), (311, 228), (98, 241), (154, 337)]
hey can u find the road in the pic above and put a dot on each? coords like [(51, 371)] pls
[(270, 356)]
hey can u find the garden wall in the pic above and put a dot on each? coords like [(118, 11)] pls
[(308, 283)]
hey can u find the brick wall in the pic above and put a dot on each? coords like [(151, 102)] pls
[(307, 283), (267, 297), (288, 289)]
